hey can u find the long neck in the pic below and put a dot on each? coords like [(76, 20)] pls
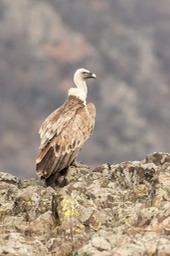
[(80, 91)]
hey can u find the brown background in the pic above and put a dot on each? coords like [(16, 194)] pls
[(127, 45)]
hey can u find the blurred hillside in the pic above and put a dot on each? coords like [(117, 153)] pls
[(126, 43)]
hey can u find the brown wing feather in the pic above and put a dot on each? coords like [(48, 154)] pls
[(59, 152), (57, 120)]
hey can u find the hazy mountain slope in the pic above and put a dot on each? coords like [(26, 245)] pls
[(124, 43)]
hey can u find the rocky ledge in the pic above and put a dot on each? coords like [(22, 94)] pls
[(114, 210)]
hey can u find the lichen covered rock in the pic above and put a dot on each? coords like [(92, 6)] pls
[(121, 209)]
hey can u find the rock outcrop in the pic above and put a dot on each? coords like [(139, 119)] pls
[(125, 43), (113, 210)]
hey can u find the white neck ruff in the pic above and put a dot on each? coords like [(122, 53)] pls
[(80, 91)]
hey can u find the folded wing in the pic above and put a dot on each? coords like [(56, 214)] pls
[(63, 134)]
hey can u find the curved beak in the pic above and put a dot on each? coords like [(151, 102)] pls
[(91, 75)]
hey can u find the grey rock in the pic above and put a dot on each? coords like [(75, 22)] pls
[(120, 209), (100, 243), (7, 177)]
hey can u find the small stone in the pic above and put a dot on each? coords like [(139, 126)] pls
[(7, 177), (101, 243)]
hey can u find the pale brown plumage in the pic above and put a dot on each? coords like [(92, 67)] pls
[(65, 130)]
